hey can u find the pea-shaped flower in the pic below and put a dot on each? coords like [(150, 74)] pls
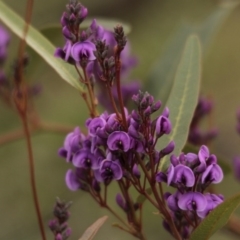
[(72, 180), (108, 171), (83, 51), (119, 140), (65, 53), (192, 201), (213, 201), (213, 174), (183, 176), (85, 159), (95, 125)]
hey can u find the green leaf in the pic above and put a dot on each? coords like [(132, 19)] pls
[(221, 161), (184, 95), (141, 198), (216, 219), (93, 229), (160, 80), (39, 44)]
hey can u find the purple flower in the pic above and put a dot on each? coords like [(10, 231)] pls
[(172, 201), (85, 159), (184, 176), (83, 51), (174, 160), (119, 140), (236, 167), (170, 174), (213, 201), (203, 155), (96, 124), (72, 180), (191, 158), (166, 112), (72, 144), (192, 201), (213, 174), (65, 52), (163, 126), (108, 171)]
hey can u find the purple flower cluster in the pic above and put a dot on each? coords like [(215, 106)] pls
[(196, 135), (191, 174), (59, 225), (79, 47), (112, 151), (80, 50), (121, 144)]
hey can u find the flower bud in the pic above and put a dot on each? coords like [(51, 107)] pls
[(168, 149), (83, 13), (136, 171), (163, 126), (156, 106), (121, 202), (67, 34)]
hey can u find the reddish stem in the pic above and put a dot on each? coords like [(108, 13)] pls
[(32, 175)]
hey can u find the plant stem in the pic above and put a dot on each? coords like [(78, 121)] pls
[(32, 175), (118, 80), (112, 100), (91, 94)]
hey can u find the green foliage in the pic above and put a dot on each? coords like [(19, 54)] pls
[(221, 161), (184, 95), (39, 44), (216, 219), (161, 78)]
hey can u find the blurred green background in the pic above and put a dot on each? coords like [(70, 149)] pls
[(157, 26)]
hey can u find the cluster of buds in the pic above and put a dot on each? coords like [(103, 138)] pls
[(59, 225), (191, 174), (196, 135)]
